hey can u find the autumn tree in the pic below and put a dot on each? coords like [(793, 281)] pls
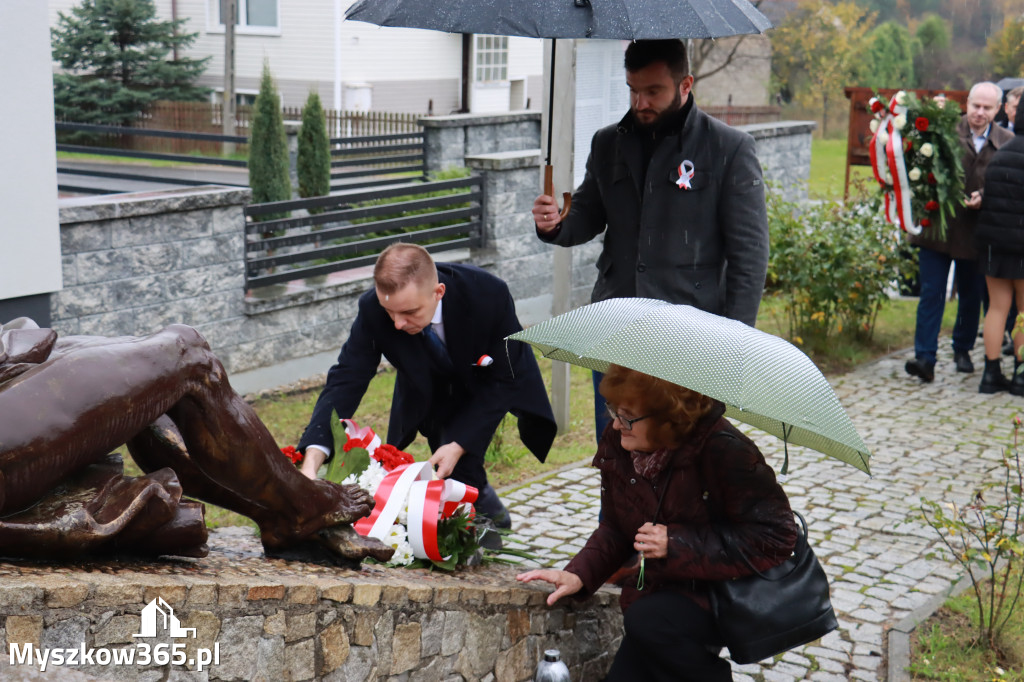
[(1007, 49), (888, 61), (116, 58), (817, 50)]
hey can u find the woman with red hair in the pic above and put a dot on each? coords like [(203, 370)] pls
[(683, 491)]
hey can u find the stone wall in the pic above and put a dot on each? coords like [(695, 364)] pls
[(784, 149), (135, 263), (337, 625)]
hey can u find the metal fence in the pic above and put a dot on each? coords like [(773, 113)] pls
[(348, 230), (110, 141), (374, 160)]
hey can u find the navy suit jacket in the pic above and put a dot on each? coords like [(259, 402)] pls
[(478, 314)]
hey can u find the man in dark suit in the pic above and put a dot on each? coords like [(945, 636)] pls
[(442, 326), (678, 195), (979, 140)]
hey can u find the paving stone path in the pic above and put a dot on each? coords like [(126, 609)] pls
[(938, 441)]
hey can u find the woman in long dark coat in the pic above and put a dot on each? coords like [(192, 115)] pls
[(679, 484), (1000, 237)]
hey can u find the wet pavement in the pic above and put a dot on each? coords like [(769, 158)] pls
[(936, 441)]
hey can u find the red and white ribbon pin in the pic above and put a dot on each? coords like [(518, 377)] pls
[(685, 174)]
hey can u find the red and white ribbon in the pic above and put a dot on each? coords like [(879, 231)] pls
[(889, 166), (428, 501), (685, 174), (360, 437)]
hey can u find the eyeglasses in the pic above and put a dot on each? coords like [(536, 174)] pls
[(627, 424)]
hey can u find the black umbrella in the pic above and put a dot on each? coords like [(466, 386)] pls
[(611, 19), (1007, 84)]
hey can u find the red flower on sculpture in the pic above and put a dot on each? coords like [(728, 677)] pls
[(921, 123), (931, 179), (926, 223), (931, 206), (291, 453), (391, 457)]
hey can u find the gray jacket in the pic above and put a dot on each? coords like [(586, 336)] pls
[(706, 246)]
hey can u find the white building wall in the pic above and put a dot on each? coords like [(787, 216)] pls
[(30, 260), (602, 97)]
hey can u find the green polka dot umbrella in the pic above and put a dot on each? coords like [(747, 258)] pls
[(763, 380)]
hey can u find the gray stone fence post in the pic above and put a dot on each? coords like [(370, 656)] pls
[(448, 140), (511, 249)]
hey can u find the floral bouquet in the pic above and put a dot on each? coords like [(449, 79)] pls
[(915, 157), (428, 522)]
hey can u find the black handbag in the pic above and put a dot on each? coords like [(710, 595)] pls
[(772, 611)]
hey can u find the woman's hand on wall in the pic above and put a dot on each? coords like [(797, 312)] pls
[(565, 583)]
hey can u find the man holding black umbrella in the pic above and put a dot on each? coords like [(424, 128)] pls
[(678, 194)]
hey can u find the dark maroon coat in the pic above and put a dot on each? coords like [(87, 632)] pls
[(719, 486)]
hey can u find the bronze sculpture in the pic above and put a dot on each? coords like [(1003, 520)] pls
[(66, 403)]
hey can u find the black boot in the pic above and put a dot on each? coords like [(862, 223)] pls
[(993, 381), (1017, 383)]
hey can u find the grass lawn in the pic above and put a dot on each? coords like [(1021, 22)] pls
[(128, 160), (828, 169), (944, 647)]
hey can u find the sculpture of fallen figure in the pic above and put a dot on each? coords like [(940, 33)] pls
[(67, 403)]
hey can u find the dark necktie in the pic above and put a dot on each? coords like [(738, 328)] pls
[(438, 353)]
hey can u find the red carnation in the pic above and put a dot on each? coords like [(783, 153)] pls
[(391, 457), (291, 453), (926, 223), (931, 179), (931, 206), (921, 123), (907, 146), (876, 106)]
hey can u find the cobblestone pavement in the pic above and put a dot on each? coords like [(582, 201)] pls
[(937, 441)]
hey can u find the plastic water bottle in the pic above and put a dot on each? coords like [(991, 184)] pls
[(551, 668)]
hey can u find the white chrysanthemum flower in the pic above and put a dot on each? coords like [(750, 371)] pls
[(883, 137), (900, 122), (914, 174), (399, 541), (901, 98), (873, 125), (350, 480), (927, 149), (371, 477)]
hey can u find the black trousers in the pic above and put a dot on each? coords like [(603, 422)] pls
[(668, 637), (470, 467)]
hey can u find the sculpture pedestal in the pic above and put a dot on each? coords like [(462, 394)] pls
[(286, 620)]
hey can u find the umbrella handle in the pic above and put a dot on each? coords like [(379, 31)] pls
[(549, 189)]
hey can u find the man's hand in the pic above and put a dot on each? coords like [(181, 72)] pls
[(311, 461), (565, 583), (445, 459), (974, 201), (652, 540), (545, 213)]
